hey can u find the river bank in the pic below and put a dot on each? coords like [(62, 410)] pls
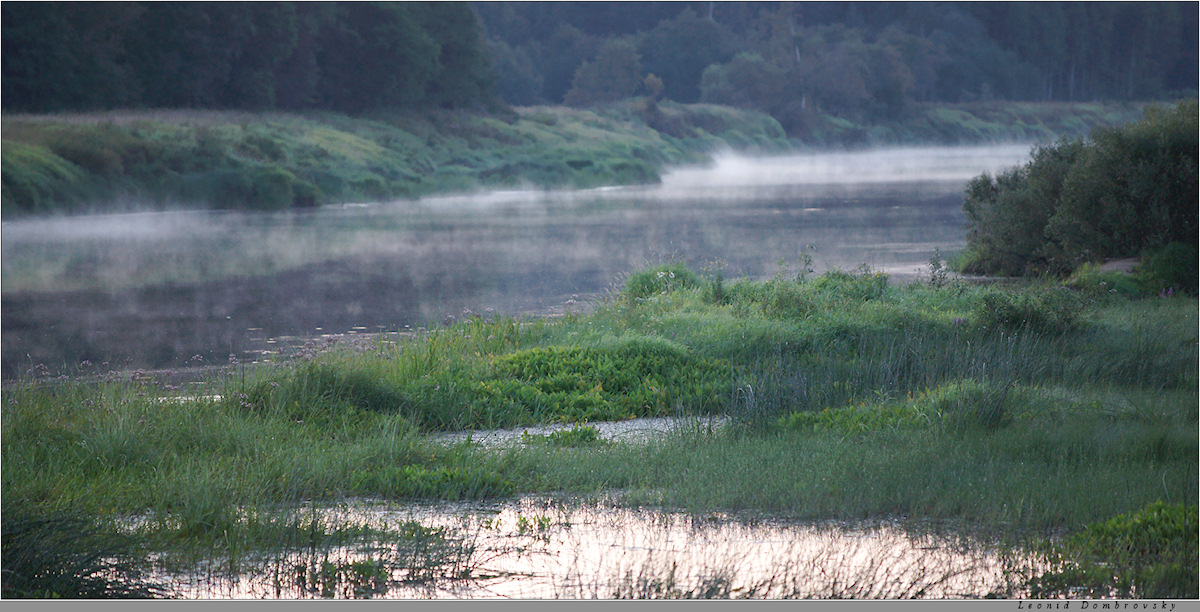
[(154, 160)]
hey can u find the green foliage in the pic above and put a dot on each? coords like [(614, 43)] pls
[(419, 482), (660, 279), (968, 404), (630, 378), (33, 179), (1048, 310), (887, 401), (799, 297), (1122, 191), (856, 419), (1148, 554), (1092, 280), (65, 556), (578, 435), (1172, 268), (229, 160), (346, 57)]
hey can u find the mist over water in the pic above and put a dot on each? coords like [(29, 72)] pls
[(152, 290)]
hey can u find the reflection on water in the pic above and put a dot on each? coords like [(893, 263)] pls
[(631, 430), (539, 549), (153, 290)]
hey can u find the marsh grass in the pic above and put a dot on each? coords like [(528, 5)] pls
[(1150, 553), (848, 397), (67, 556)]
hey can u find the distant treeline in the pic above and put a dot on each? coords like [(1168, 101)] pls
[(343, 56), (797, 61), (858, 60)]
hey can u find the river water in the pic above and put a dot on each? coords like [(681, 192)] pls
[(169, 290)]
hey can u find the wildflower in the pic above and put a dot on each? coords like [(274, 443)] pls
[(672, 274), (959, 321), (233, 359), (662, 274)]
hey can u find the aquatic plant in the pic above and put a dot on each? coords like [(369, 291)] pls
[(66, 556), (1148, 554), (579, 435)]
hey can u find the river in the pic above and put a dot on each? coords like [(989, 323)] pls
[(165, 290)]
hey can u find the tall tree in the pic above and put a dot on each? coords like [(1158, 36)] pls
[(679, 49), (616, 74)]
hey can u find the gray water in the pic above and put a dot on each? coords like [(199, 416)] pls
[(177, 289)]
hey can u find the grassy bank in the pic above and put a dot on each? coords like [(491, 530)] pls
[(130, 160), (968, 123), (271, 161), (1023, 410)]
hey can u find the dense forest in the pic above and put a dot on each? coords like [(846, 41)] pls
[(793, 60), (345, 56), (860, 60)]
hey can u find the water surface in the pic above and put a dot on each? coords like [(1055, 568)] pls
[(540, 548), (156, 290)]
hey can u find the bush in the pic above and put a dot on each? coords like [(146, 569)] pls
[(633, 377), (1121, 191), (1047, 310), (968, 405), (1172, 267), (1147, 554), (659, 280), (579, 435), (1092, 280)]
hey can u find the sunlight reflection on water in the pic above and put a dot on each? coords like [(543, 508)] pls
[(543, 549)]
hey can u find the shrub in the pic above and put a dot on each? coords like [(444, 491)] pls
[(633, 377), (856, 419), (1171, 267), (1046, 310), (660, 279), (272, 189), (1151, 553), (1090, 279), (1119, 192), (968, 404)]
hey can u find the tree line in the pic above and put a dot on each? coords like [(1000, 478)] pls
[(342, 56), (861, 60)]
